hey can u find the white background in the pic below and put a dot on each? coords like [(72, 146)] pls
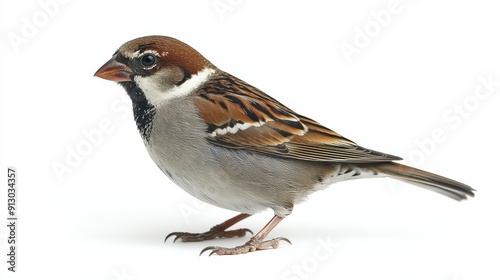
[(105, 216)]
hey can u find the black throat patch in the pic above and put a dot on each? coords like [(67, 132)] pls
[(144, 111)]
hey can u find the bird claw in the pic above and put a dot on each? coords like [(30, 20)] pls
[(250, 246), (209, 235)]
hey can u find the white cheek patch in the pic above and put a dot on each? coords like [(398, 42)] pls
[(151, 88), (157, 95)]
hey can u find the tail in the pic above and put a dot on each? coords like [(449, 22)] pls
[(424, 179)]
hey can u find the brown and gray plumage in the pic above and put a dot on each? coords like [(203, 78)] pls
[(229, 144)]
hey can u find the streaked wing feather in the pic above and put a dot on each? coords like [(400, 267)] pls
[(239, 116)]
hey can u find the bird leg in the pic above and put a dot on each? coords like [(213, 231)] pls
[(218, 231), (257, 242)]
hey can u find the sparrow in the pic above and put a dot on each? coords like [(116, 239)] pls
[(229, 144)]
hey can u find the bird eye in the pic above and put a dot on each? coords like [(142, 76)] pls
[(148, 60)]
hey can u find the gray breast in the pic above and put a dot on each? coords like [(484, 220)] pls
[(233, 179)]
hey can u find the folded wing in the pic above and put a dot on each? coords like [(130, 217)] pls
[(239, 116)]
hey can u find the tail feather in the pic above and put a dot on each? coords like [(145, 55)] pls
[(424, 179)]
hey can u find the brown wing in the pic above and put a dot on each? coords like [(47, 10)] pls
[(239, 116)]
